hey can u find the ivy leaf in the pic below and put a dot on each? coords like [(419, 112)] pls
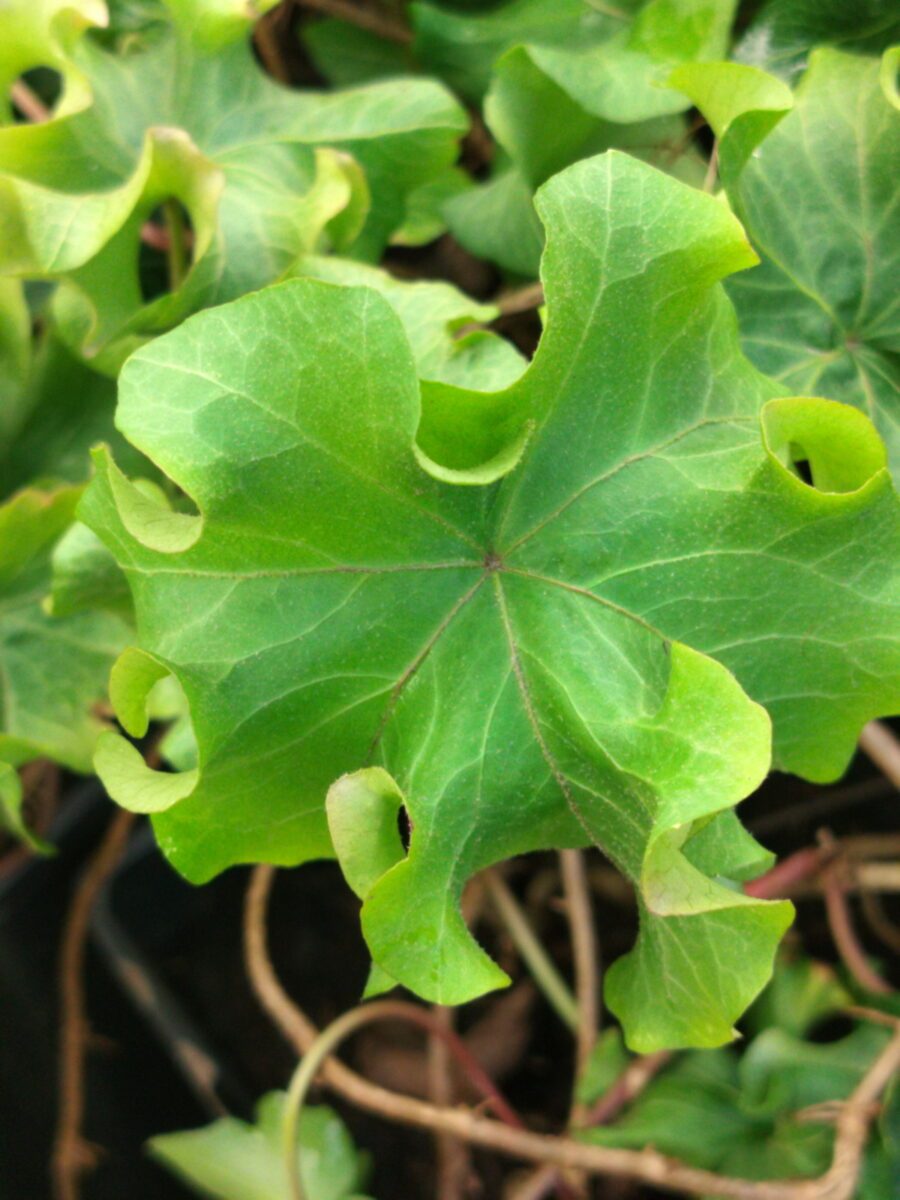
[(188, 116), (232, 1160), (782, 33), (548, 106), (434, 317), (818, 199), (560, 82), (511, 612), (11, 817), (57, 410), (347, 55), (801, 994), (52, 670), (737, 1116), (44, 35), (612, 63), (461, 47), (15, 360), (622, 78)]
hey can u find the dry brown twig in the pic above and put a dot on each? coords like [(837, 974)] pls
[(636, 1076), (516, 924), (712, 169), (579, 912), (267, 34), (28, 103), (520, 300), (452, 1155), (840, 923), (536, 1185), (879, 744), (838, 1183), (364, 16), (72, 1155)]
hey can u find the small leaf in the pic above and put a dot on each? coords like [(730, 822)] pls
[(801, 994), (233, 1160), (11, 818), (462, 47), (53, 669), (553, 102), (741, 104), (433, 317), (347, 55)]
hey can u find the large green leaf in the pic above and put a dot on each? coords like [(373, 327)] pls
[(52, 670), (818, 199), (189, 116), (528, 656), (231, 1160)]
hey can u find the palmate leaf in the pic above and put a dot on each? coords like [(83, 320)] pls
[(263, 172), (818, 200), (521, 620)]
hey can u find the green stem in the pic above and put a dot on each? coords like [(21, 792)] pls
[(326, 1043), (176, 254), (301, 1081), (535, 957)]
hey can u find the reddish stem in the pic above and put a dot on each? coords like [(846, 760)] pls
[(845, 939), (786, 874), (627, 1087), (461, 1052)]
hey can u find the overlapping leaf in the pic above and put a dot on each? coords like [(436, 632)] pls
[(52, 670), (435, 317), (462, 47), (559, 82), (52, 407), (818, 199), (783, 32), (261, 171), (232, 1160), (742, 1116), (525, 605), (595, 83)]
